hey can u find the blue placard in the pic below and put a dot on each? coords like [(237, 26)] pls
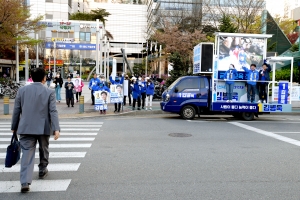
[(283, 92), (240, 76), (240, 107)]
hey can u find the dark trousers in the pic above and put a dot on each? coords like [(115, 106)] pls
[(263, 93), (143, 99), (28, 145), (129, 98), (251, 91), (117, 107), (70, 100), (77, 94), (138, 102), (93, 98)]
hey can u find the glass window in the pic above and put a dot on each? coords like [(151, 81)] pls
[(88, 37), (188, 85), (81, 36)]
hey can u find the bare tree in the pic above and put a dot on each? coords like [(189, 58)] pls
[(246, 14)]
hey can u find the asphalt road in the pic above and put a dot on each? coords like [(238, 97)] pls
[(164, 157)]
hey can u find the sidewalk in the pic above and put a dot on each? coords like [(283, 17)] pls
[(73, 112)]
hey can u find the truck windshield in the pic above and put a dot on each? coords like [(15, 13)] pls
[(174, 83)]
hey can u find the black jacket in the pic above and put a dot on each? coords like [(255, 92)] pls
[(49, 76), (58, 80)]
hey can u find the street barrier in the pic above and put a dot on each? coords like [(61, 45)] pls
[(81, 104), (6, 105)]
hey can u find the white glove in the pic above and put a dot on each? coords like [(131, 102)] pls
[(131, 85), (225, 79)]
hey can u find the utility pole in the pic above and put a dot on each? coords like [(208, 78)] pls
[(26, 64), (97, 46), (37, 52)]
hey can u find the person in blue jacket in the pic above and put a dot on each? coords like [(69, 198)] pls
[(149, 93), (143, 83), (252, 78), (117, 81), (94, 83), (264, 77), (136, 93), (229, 77), (102, 87)]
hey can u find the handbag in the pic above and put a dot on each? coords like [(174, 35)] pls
[(74, 91), (13, 151)]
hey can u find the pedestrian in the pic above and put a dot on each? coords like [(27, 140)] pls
[(102, 87), (252, 78), (103, 80), (94, 83), (35, 118), (58, 81), (78, 85), (49, 78), (143, 85), (229, 77), (264, 77), (118, 82), (149, 93), (69, 92), (136, 93), (30, 79), (129, 92)]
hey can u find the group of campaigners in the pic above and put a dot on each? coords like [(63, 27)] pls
[(140, 89), (256, 81), (70, 87)]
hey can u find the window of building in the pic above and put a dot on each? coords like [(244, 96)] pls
[(85, 36), (49, 16)]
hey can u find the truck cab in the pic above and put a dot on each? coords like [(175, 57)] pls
[(187, 96)]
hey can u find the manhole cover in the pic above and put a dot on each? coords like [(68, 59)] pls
[(180, 135)]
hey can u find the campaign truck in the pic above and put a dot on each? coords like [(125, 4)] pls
[(205, 92)]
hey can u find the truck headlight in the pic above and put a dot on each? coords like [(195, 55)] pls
[(167, 97)]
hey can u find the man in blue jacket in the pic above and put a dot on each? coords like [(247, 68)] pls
[(93, 86), (136, 93), (252, 78), (117, 81), (264, 77), (229, 77)]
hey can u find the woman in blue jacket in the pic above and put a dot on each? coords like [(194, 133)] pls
[(136, 93), (229, 77), (149, 93), (117, 81), (102, 87)]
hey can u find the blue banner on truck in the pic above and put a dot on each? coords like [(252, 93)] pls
[(237, 107)]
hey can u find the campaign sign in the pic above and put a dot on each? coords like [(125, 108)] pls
[(101, 100), (266, 108), (240, 107), (116, 93), (283, 92)]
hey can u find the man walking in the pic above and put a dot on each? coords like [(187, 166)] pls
[(49, 78), (35, 118)]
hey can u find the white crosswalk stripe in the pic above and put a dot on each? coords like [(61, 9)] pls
[(75, 138)]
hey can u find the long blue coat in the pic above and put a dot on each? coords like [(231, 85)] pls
[(136, 90)]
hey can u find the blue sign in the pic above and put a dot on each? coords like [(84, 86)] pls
[(283, 92), (222, 96), (240, 107), (74, 46), (240, 76)]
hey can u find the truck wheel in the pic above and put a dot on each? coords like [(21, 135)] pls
[(188, 112), (248, 116)]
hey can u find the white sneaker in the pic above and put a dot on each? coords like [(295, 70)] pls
[(146, 109), (227, 101), (264, 101), (150, 108), (258, 101)]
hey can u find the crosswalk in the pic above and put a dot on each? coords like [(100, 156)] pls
[(75, 139)]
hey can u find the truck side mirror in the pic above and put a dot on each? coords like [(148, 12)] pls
[(176, 89)]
